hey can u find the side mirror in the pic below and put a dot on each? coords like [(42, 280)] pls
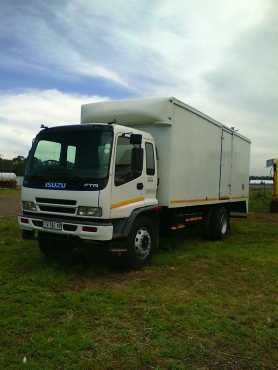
[(137, 160), (135, 139)]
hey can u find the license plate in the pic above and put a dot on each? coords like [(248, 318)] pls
[(53, 225)]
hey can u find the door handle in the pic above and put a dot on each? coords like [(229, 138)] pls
[(140, 186)]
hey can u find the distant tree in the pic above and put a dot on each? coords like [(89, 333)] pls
[(260, 178), (16, 165), (19, 158)]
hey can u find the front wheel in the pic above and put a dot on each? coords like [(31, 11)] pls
[(142, 240)]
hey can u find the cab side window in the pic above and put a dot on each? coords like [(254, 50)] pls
[(123, 163), (150, 162)]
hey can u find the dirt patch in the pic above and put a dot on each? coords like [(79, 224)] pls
[(10, 206), (263, 217), (121, 279)]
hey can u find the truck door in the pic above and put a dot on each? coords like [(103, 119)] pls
[(151, 172), (225, 190), (128, 187)]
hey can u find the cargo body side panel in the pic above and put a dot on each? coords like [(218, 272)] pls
[(195, 160)]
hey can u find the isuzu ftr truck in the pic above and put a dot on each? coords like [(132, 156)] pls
[(131, 170)]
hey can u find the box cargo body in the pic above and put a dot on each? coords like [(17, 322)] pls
[(200, 161)]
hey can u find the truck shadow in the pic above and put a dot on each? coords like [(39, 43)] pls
[(99, 259)]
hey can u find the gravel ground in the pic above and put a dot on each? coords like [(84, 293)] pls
[(10, 205)]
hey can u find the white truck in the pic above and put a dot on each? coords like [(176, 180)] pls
[(131, 169)]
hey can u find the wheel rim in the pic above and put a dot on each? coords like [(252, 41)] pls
[(142, 243), (224, 227)]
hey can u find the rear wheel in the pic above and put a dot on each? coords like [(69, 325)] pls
[(217, 224), (141, 242)]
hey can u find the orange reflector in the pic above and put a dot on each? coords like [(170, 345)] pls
[(197, 218), (177, 227)]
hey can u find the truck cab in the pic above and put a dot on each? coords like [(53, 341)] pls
[(88, 182)]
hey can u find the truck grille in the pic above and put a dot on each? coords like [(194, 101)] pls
[(49, 208), (66, 202), (37, 223), (52, 205)]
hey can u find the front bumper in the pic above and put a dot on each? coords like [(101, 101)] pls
[(99, 231)]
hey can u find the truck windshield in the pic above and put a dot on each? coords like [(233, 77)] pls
[(65, 154)]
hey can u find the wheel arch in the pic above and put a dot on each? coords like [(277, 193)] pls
[(124, 226)]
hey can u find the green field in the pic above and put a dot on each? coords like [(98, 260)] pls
[(200, 305), (260, 200)]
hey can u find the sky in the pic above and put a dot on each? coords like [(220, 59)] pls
[(219, 56)]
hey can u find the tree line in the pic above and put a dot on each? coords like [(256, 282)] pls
[(260, 177), (15, 165)]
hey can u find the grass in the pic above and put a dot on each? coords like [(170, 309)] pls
[(260, 200), (200, 305)]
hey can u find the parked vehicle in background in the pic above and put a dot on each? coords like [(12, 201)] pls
[(274, 202), (130, 170)]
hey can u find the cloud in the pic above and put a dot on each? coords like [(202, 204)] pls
[(142, 45), (245, 83), (45, 40), (21, 115), (219, 56)]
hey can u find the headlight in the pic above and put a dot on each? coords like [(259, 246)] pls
[(89, 211), (28, 206)]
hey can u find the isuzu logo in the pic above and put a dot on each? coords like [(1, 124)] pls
[(55, 185)]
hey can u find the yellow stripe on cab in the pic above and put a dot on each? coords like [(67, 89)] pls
[(127, 202)]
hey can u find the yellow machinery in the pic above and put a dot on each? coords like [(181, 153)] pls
[(274, 202)]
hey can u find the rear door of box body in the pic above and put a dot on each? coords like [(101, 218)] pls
[(226, 165), (234, 174), (240, 168)]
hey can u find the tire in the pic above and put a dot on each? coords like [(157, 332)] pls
[(141, 242), (53, 246), (217, 224)]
